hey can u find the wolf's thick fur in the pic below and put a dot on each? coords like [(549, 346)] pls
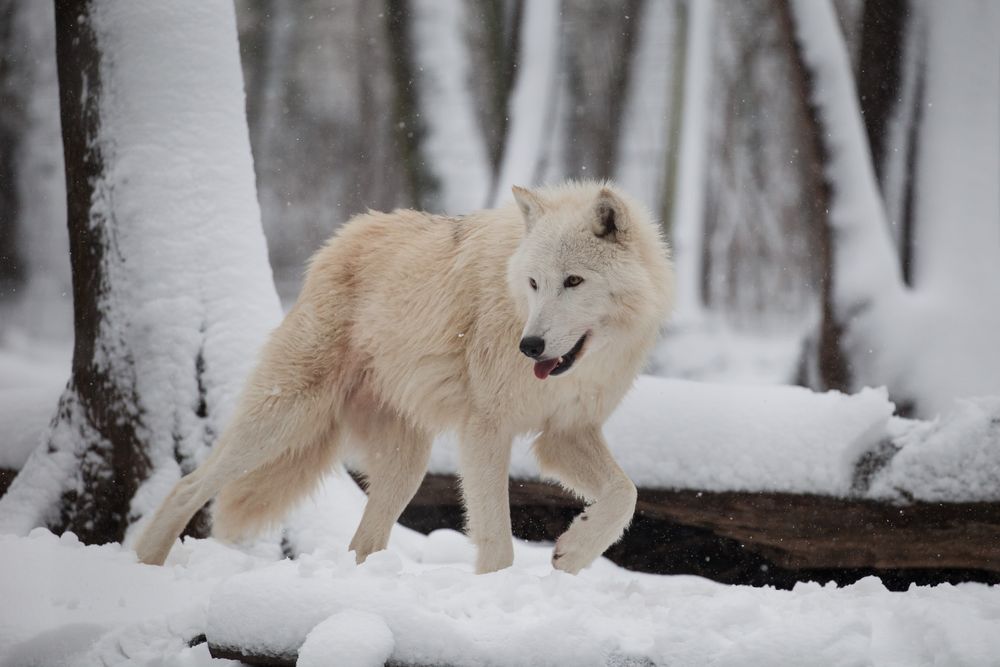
[(408, 325)]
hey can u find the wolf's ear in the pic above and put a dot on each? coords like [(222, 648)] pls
[(530, 204), (610, 220)]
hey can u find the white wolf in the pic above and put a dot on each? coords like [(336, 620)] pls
[(411, 324)]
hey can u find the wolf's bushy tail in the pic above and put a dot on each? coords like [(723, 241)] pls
[(260, 498)]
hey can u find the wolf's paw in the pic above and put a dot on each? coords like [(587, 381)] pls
[(576, 548)]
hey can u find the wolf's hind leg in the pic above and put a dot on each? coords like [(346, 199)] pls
[(581, 462), (395, 460), (188, 496), (274, 451)]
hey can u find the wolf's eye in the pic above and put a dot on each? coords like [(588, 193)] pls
[(572, 281), (534, 285)]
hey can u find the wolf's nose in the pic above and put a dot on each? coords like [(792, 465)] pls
[(532, 346)]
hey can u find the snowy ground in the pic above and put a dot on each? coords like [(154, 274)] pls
[(32, 375), (68, 604)]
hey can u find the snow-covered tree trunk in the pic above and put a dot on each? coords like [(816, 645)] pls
[(534, 101), (410, 128), (646, 144), (599, 45), (493, 39), (856, 229), (172, 290), (687, 212), (454, 146), (937, 339)]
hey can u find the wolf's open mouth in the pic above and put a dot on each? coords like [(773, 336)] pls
[(558, 365)]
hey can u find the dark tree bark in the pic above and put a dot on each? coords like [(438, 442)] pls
[(113, 464), (675, 127), (825, 364), (883, 26), (495, 47), (12, 122), (409, 127), (600, 40)]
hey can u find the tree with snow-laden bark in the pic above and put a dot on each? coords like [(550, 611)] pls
[(172, 290), (918, 310)]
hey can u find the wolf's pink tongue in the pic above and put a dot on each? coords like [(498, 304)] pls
[(543, 368)]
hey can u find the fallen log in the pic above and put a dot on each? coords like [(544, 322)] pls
[(760, 538)]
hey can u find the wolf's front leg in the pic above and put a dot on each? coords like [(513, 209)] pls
[(484, 461), (582, 462)]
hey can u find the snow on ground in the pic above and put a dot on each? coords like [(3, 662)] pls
[(709, 350), (32, 375), (66, 604)]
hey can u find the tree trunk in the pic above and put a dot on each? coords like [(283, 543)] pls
[(494, 44), (172, 294), (825, 365), (600, 39), (410, 128), (100, 400), (34, 270), (888, 90), (687, 208), (870, 313), (883, 29), (453, 148), (12, 123), (533, 105)]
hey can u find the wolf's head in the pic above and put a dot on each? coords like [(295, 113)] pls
[(591, 272)]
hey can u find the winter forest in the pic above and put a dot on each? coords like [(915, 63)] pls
[(815, 438)]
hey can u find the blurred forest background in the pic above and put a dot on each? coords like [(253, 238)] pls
[(705, 110)]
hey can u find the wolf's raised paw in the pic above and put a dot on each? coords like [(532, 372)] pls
[(573, 552)]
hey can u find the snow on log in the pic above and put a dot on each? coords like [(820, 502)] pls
[(714, 437)]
